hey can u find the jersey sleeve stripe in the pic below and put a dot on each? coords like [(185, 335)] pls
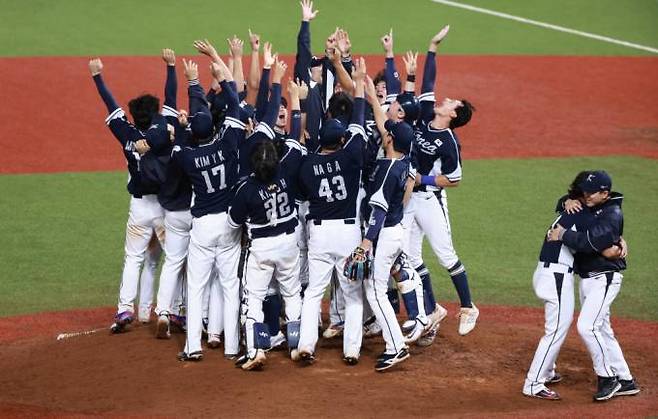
[(357, 129), (118, 113), (265, 129), (234, 123), (169, 111), (427, 97)]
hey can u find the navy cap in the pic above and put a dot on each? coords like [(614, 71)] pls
[(315, 61), (596, 181), (403, 135), (157, 136), (246, 112), (410, 105), (331, 132), (201, 125)]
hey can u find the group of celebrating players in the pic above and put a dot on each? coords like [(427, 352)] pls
[(260, 218)]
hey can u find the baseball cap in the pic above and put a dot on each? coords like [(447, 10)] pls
[(332, 131), (596, 181), (410, 105), (201, 125), (403, 135), (157, 136), (315, 61)]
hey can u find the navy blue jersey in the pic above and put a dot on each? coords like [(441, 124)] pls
[(268, 210), (292, 155), (558, 252), (263, 132), (330, 182), (213, 168), (176, 190), (386, 190), (437, 152)]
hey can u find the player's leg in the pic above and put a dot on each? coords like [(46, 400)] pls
[(227, 256), (389, 246), (320, 265), (215, 311), (201, 259), (177, 239), (272, 306), (285, 254), (599, 292), (147, 279), (336, 308), (628, 385), (302, 242), (139, 230), (410, 286), (556, 289)]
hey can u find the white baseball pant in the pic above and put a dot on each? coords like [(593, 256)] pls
[(330, 243), (150, 267), (177, 226), (389, 246), (555, 285), (269, 257), (213, 244), (144, 217), (302, 242), (596, 295)]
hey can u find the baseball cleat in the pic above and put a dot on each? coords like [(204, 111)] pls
[(556, 378), (545, 394), (144, 314), (121, 320), (214, 340), (256, 362), (386, 361), (628, 388), (371, 328), (408, 326), (306, 356), (416, 332), (162, 330), (276, 341), (606, 389), (179, 321), (231, 357), (333, 331), (350, 359), (294, 355), (467, 318), (204, 327), (193, 356), (437, 315), (428, 338)]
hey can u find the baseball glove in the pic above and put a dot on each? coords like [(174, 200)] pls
[(358, 265)]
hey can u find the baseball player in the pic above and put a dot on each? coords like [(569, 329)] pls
[(438, 161), (330, 180), (600, 284), (264, 202), (211, 163), (145, 214), (553, 282)]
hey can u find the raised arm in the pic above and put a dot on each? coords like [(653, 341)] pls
[(335, 57), (295, 112), (264, 85), (378, 112), (254, 69), (236, 46), (426, 97), (410, 64), (272, 109), (96, 68), (359, 109), (393, 86), (169, 110), (224, 77), (303, 57)]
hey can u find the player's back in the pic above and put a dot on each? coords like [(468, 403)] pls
[(387, 186), (213, 170), (556, 251)]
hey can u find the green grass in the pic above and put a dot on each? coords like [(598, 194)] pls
[(63, 233), (125, 27)]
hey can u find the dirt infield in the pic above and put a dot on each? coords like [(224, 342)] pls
[(135, 374), (527, 107)]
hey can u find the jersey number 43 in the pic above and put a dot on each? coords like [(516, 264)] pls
[(328, 192)]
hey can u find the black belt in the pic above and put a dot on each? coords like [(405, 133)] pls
[(346, 221), (548, 265)]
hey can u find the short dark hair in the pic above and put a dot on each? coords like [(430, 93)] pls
[(340, 105), (265, 161), (379, 77), (464, 114), (575, 191), (143, 108), (284, 102)]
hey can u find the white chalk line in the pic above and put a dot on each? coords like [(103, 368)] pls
[(63, 336), (548, 26)]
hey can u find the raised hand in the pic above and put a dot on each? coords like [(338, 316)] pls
[(293, 89), (268, 58), (141, 146), (280, 68), (410, 62), (343, 43), (205, 48), (191, 69), (442, 34), (387, 43), (95, 66), (236, 46), (169, 56), (254, 41), (359, 72), (308, 13), (330, 43), (371, 92), (303, 90), (217, 72)]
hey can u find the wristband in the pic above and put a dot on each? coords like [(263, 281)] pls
[(411, 78), (427, 180)]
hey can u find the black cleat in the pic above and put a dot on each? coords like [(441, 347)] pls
[(628, 388), (607, 387)]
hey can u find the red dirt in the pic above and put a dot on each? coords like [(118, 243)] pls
[(527, 107), (135, 374)]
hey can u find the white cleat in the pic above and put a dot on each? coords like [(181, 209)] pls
[(416, 332), (437, 316), (467, 319), (214, 340), (334, 330), (372, 329), (255, 363), (144, 314), (162, 330), (276, 341)]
